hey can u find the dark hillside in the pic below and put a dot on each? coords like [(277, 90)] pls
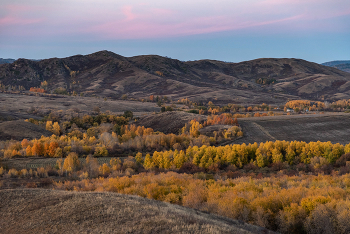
[(107, 74)]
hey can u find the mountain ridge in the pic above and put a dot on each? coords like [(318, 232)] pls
[(105, 73)]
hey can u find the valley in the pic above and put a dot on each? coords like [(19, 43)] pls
[(230, 147)]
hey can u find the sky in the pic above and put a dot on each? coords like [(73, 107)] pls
[(226, 30)]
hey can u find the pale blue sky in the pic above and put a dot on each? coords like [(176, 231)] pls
[(228, 30)]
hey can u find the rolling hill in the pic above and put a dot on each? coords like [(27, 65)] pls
[(51, 211), (105, 73)]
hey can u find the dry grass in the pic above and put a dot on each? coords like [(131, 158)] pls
[(329, 127), (49, 211), (168, 122), (19, 129), (13, 103)]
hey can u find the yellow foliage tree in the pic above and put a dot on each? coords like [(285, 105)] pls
[(71, 163), (56, 129), (49, 126)]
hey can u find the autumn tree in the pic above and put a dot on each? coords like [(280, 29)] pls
[(91, 166), (71, 163), (56, 129), (49, 126)]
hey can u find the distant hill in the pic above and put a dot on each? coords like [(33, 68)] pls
[(3, 61), (334, 63), (343, 65), (108, 74)]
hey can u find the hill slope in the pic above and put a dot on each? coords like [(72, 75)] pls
[(107, 74), (49, 211), (19, 129)]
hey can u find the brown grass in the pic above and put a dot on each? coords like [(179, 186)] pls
[(328, 127), (19, 129), (168, 122), (49, 211)]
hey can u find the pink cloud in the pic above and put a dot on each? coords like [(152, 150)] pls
[(127, 11), (161, 19), (140, 28)]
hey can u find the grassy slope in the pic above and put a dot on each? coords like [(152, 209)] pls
[(49, 211)]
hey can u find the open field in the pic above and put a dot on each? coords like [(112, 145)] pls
[(334, 127), (51, 211), (16, 104)]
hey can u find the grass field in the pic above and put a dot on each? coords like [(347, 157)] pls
[(16, 103), (327, 127)]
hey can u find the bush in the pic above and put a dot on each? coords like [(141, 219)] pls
[(60, 90), (193, 111), (341, 162)]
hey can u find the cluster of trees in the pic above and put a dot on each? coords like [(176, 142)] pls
[(39, 172), (10, 88), (159, 99), (265, 81), (341, 104), (306, 204), (192, 128), (225, 118), (301, 105), (37, 90), (104, 135), (260, 155), (159, 73), (99, 142), (236, 108), (73, 167)]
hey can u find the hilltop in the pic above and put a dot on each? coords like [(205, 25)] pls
[(108, 74)]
